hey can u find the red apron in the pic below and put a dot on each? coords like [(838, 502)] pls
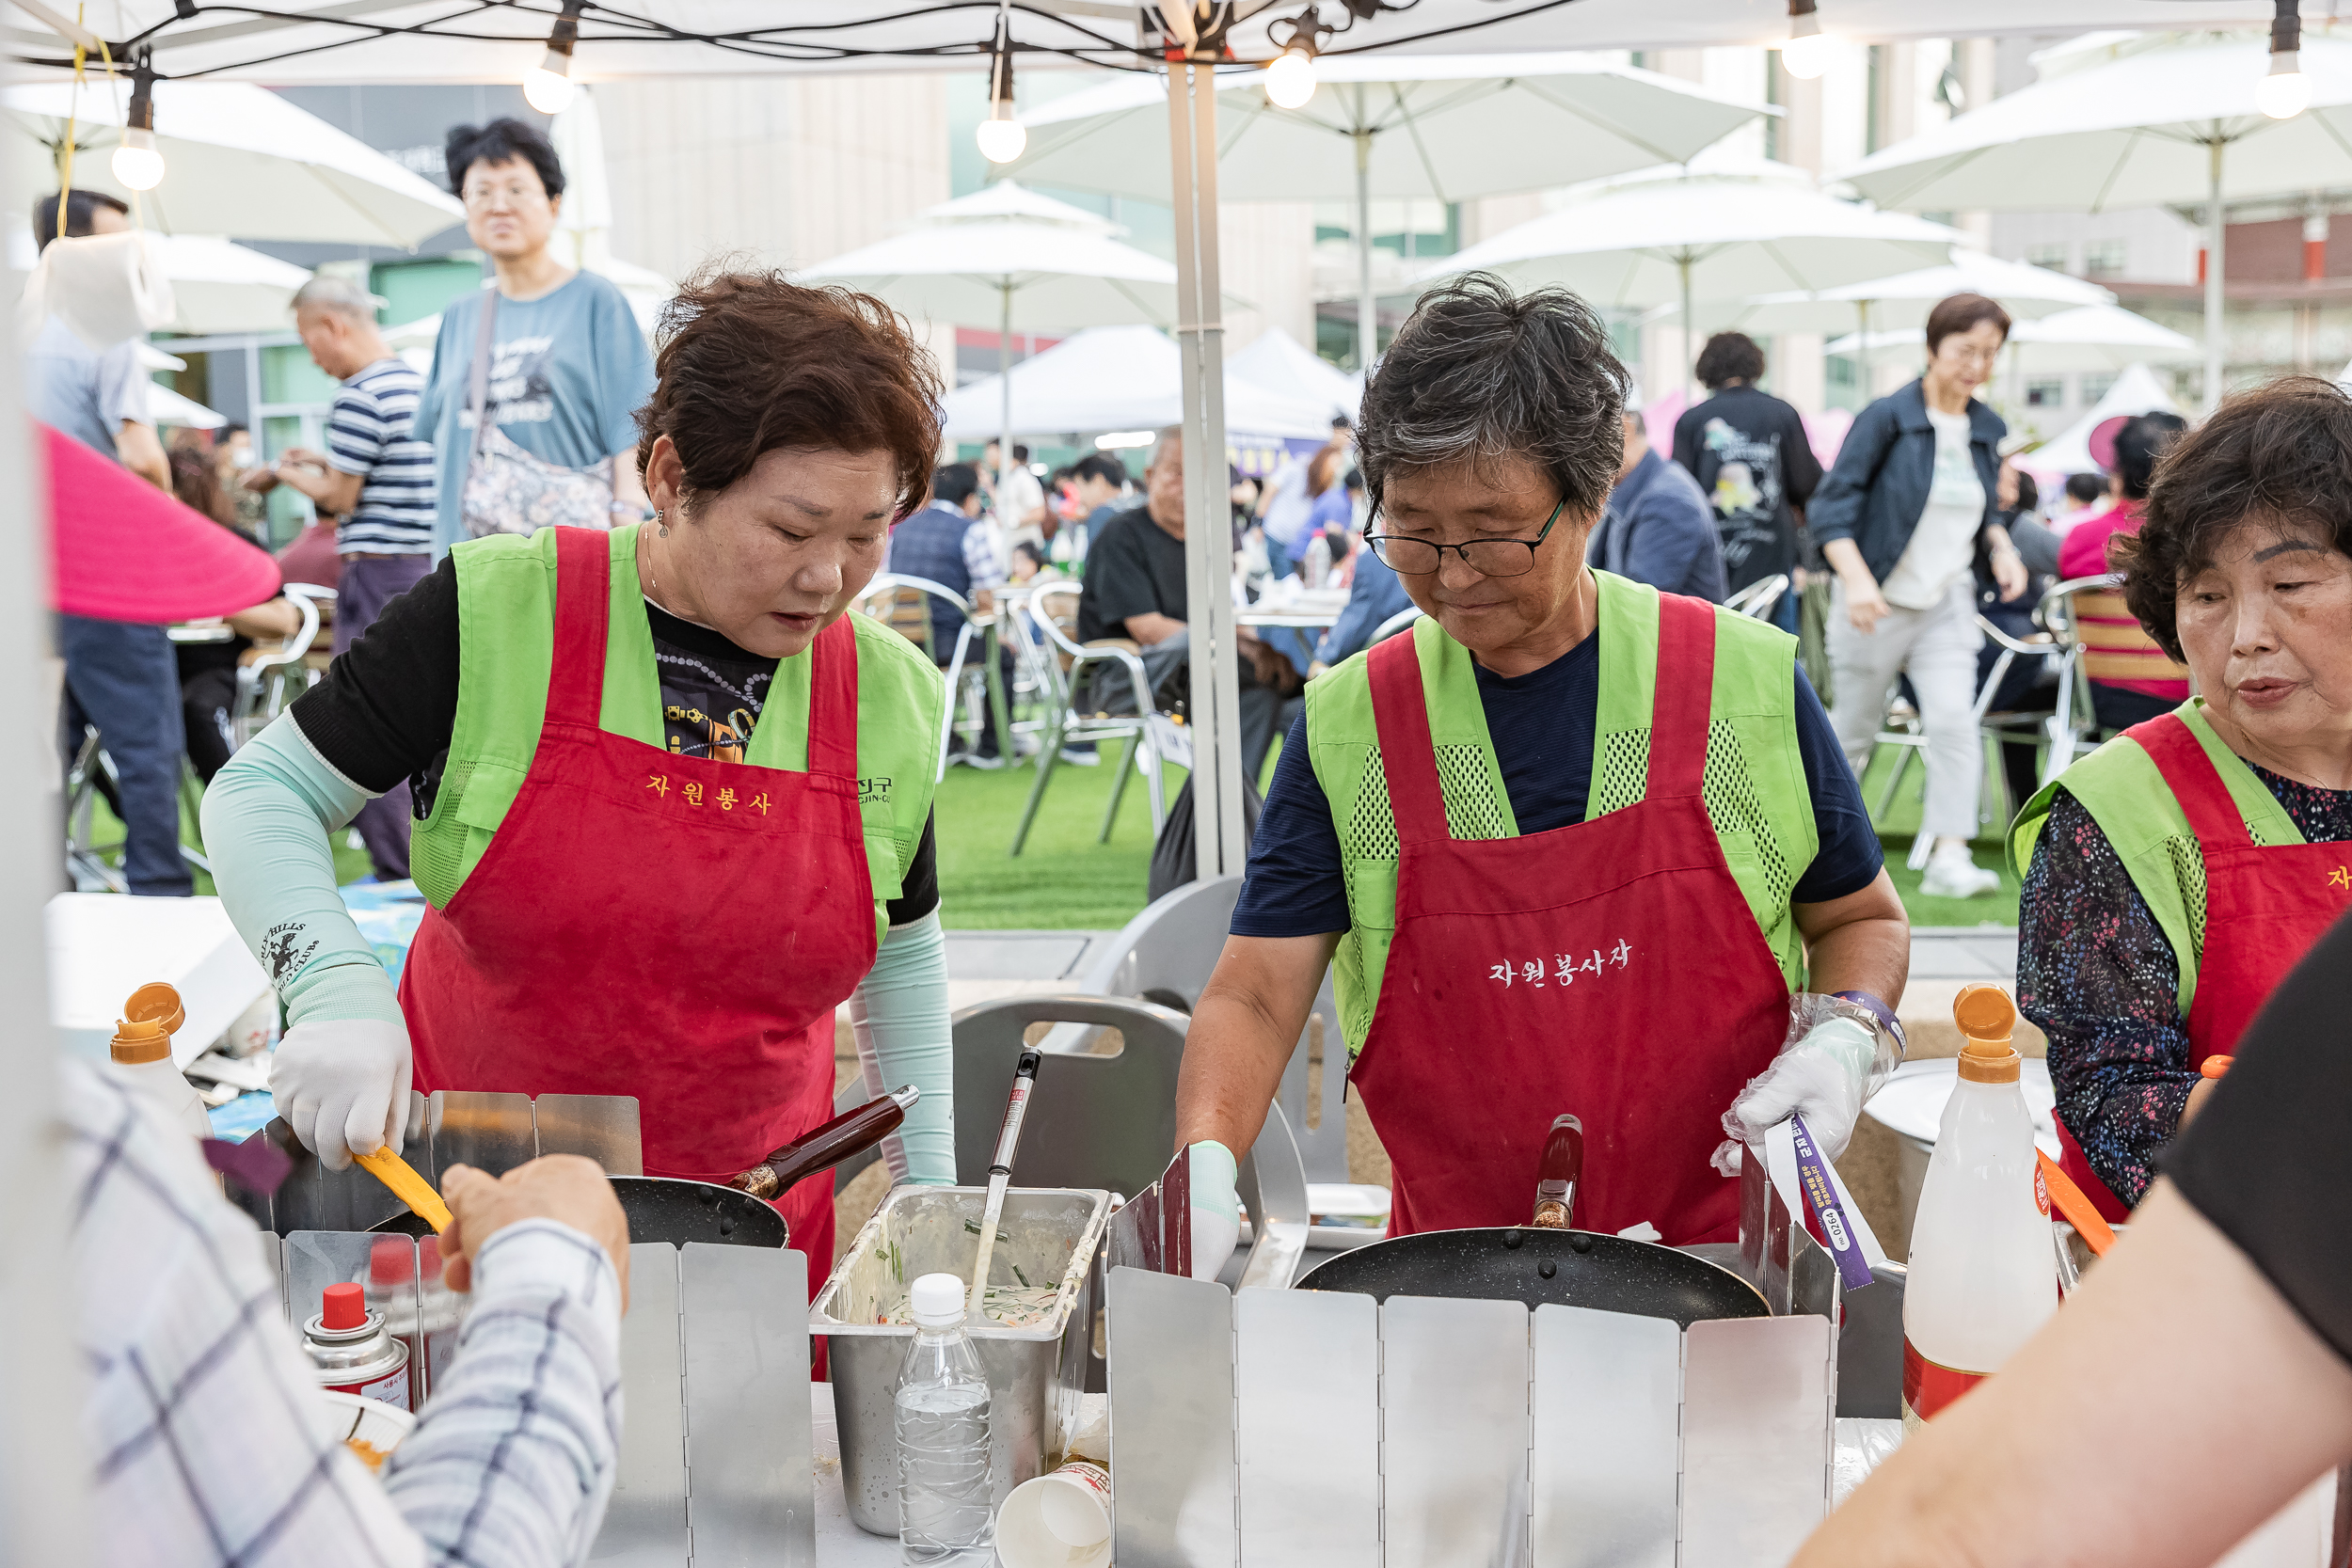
[(2264, 907), (665, 927), (1611, 968)]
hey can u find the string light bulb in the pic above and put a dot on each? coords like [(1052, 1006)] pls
[(1805, 56), (2285, 92), (1290, 81), (548, 86), (136, 163), (1002, 137)]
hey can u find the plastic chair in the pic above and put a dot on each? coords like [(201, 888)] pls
[(2100, 639), (1052, 610), (1110, 1122), (903, 602), (1758, 599)]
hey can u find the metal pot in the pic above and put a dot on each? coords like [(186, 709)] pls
[(1545, 1262)]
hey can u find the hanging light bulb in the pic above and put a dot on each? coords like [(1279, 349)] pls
[(1807, 54), (1290, 81), (136, 163), (548, 86), (2285, 92), (1001, 136)]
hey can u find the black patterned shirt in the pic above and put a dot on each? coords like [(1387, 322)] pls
[(2096, 972)]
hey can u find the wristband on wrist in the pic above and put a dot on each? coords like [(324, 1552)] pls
[(1880, 1012)]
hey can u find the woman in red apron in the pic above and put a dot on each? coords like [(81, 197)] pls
[(676, 800), (1568, 847), (2174, 876)]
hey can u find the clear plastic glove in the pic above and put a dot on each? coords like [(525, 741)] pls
[(342, 1085), (1215, 1208), (1823, 1078)]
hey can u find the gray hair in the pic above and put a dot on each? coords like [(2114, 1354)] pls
[(1478, 374), (332, 291), (1165, 438)]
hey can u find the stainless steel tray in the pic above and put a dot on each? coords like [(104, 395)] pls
[(1036, 1375)]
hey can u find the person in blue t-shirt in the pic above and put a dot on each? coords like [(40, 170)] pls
[(568, 367)]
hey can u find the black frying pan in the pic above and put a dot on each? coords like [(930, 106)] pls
[(1545, 1264), (662, 1209)]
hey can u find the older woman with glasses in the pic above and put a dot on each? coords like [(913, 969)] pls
[(1571, 844)]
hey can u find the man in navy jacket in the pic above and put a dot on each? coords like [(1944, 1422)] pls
[(1658, 528)]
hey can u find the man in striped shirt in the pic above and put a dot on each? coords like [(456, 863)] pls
[(377, 477)]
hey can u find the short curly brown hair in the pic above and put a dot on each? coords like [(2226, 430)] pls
[(751, 361), (2276, 454)]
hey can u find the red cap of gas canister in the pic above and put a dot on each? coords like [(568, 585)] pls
[(343, 1306)]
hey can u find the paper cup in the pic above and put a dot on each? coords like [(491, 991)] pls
[(1061, 1520)]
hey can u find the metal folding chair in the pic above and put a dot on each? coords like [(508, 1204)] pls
[(975, 686), (1394, 623), (1052, 610), (1758, 599), (2100, 640), (271, 678)]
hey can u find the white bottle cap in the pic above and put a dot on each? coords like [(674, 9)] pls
[(937, 1301)]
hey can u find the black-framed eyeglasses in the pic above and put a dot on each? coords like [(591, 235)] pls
[(1488, 558)]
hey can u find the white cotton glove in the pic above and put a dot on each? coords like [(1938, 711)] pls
[(342, 1085), (1821, 1078), (1216, 1209)]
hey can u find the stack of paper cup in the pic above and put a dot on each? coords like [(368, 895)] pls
[(1061, 1520)]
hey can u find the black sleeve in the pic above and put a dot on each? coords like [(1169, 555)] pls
[(1686, 445), (1799, 470), (2255, 1160), (918, 891), (388, 703)]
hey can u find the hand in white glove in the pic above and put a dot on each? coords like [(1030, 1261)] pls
[(342, 1085), (1821, 1078), (1216, 1209)]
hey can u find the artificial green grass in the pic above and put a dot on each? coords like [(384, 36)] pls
[(1062, 880), (351, 863), (1901, 824)]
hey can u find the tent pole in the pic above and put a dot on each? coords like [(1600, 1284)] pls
[(1690, 335), (1367, 303), (1219, 845), (1862, 348), (1004, 444), (2217, 343)]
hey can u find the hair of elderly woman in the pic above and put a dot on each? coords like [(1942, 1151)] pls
[(751, 362), (1962, 314), (1478, 374), (2275, 454)]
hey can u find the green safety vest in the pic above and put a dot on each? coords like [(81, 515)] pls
[(1755, 787), (2119, 786), (506, 641)]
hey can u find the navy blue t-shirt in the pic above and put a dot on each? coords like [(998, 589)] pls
[(1542, 726)]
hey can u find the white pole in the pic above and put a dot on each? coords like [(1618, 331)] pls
[(2216, 337), (1689, 333), (1862, 350), (1004, 445), (1367, 303), (1219, 844)]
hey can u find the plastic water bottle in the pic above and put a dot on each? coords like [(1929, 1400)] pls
[(1316, 567), (945, 1481)]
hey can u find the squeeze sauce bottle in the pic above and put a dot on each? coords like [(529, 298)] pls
[(1983, 1274), (141, 1051)]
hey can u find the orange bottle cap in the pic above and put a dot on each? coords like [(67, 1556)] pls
[(156, 1001), (138, 1041), (1985, 1013), (2214, 1066), (1989, 1062)]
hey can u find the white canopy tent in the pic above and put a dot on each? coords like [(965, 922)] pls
[(238, 159), (1280, 363), (1126, 378), (1004, 249), (2136, 122), (1382, 127), (1670, 236), (2135, 391), (2089, 338)]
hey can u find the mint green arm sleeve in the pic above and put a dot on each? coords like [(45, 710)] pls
[(899, 1014), (267, 818)]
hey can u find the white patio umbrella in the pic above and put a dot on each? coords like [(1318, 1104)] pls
[(238, 159), (979, 257), (1713, 233), (583, 231), (1111, 378), (1435, 128), (216, 285), (1280, 363), (2144, 122), (166, 407), (2091, 337)]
